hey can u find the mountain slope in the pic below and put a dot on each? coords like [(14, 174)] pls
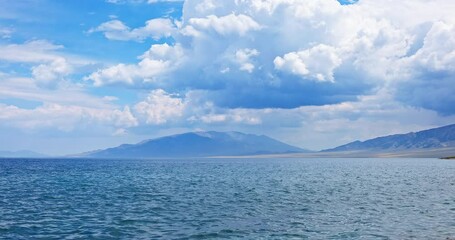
[(198, 144), (443, 137)]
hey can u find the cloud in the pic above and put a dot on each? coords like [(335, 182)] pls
[(160, 107), (46, 74), (68, 94), (64, 117), (140, 1), (438, 50), (317, 63), (243, 58), (146, 70), (225, 25), (291, 53), (43, 61), (113, 1), (157, 1), (429, 80), (155, 29), (158, 60), (35, 51), (69, 109), (6, 33), (230, 116)]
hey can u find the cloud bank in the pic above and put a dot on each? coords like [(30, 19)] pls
[(290, 53)]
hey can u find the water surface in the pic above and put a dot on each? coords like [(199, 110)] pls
[(227, 198)]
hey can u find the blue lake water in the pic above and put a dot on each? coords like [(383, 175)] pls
[(227, 198)]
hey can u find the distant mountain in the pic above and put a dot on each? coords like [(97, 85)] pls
[(443, 137), (20, 154), (198, 144)]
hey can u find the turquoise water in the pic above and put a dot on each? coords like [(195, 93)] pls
[(227, 198)]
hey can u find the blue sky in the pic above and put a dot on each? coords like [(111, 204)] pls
[(88, 74)]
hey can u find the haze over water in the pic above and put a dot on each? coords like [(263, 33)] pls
[(227, 198)]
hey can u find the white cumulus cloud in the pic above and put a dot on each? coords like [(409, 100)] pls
[(316, 63), (155, 28), (225, 25), (160, 107), (243, 58), (46, 74), (158, 60)]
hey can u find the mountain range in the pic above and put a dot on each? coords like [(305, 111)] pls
[(442, 137), (199, 144), (436, 142)]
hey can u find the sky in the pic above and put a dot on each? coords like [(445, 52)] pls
[(80, 75)]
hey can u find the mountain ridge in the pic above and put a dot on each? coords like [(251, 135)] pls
[(440, 137)]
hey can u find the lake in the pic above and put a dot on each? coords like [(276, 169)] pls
[(227, 198)]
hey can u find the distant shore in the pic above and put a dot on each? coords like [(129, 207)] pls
[(449, 158)]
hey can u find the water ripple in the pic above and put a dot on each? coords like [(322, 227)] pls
[(227, 199)]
